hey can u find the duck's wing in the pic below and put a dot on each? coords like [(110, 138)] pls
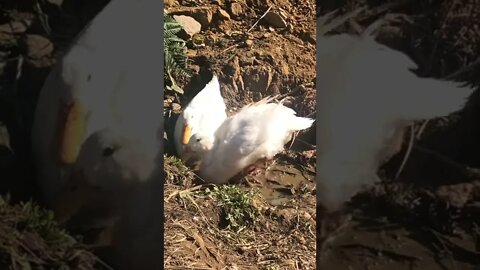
[(263, 101), (410, 97), (365, 73), (262, 130), (236, 142)]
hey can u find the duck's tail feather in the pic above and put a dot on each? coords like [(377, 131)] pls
[(301, 123), (262, 101), (435, 98)]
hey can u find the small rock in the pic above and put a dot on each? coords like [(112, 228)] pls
[(191, 53), (285, 68), (203, 15), (16, 27), (275, 20), (236, 9), (170, 3), (301, 239), (222, 14), (190, 26), (36, 46), (286, 214), (9, 30), (306, 215), (176, 107)]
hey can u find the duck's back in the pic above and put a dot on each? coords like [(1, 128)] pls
[(255, 132)]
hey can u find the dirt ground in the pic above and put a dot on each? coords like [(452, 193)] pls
[(428, 218), (252, 61)]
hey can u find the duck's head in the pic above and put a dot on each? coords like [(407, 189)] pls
[(108, 166), (191, 122), (198, 145)]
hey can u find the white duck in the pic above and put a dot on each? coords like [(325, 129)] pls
[(367, 95), (203, 115), (98, 123), (102, 81), (258, 131)]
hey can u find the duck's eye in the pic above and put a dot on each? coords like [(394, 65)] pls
[(108, 151), (198, 140)]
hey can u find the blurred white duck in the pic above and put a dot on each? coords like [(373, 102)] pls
[(105, 90), (96, 85), (258, 131), (203, 115), (367, 96)]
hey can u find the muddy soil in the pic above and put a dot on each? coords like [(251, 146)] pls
[(252, 60), (428, 218)]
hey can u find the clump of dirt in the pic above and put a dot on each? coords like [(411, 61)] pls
[(428, 218), (254, 57)]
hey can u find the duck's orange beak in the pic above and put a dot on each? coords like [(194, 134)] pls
[(72, 130), (187, 133)]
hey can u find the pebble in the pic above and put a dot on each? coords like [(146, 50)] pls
[(274, 19), (222, 14), (36, 46), (190, 26), (236, 9), (203, 15), (176, 107)]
